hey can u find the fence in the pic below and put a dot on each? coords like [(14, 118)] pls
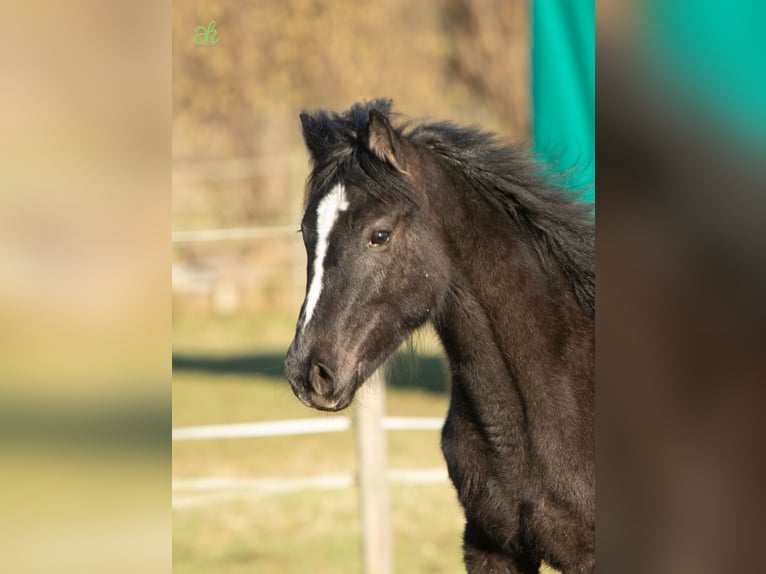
[(248, 263), (372, 476), (369, 424), (227, 280), (298, 427)]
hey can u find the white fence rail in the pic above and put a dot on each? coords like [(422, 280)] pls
[(298, 427), (196, 492), (232, 233)]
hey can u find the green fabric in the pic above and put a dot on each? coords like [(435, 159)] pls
[(710, 55), (563, 88)]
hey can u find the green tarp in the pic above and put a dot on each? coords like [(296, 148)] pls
[(563, 88)]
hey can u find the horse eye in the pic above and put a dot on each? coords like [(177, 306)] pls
[(379, 237)]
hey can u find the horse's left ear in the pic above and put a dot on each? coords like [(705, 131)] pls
[(383, 141), (315, 135)]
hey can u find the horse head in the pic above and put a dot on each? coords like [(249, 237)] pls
[(376, 265)]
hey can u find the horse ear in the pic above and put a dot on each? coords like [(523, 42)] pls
[(313, 135), (383, 141)]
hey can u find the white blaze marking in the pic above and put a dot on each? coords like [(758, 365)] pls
[(327, 212)]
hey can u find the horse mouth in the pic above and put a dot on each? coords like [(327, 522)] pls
[(322, 404), (325, 384), (332, 403), (329, 404)]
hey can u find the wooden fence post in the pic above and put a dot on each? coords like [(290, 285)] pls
[(373, 486)]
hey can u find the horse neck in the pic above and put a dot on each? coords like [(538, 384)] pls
[(504, 317)]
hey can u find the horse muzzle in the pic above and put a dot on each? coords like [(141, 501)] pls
[(315, 384)]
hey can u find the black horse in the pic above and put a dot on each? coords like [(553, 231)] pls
[(441, 224)]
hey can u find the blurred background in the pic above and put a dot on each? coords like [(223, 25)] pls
[(85, 286), (238, 156), (239, 166)]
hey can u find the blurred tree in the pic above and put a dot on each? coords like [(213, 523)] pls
[(491, 54), (237, 150), (465, 60)]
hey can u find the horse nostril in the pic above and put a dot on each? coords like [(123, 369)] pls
[(322, 379)]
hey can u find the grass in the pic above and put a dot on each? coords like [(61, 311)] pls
[(315, 532), (229, 370)]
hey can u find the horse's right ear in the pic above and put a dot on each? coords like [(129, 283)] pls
[(314, 135), (383, 141)]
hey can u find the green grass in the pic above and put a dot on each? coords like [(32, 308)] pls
[(316, 532), (229, 370)]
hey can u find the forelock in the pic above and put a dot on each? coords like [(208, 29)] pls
[(341, 155)]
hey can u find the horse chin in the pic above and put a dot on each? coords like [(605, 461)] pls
[(322, 404)]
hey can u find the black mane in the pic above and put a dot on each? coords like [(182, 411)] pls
[(560, 228)]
